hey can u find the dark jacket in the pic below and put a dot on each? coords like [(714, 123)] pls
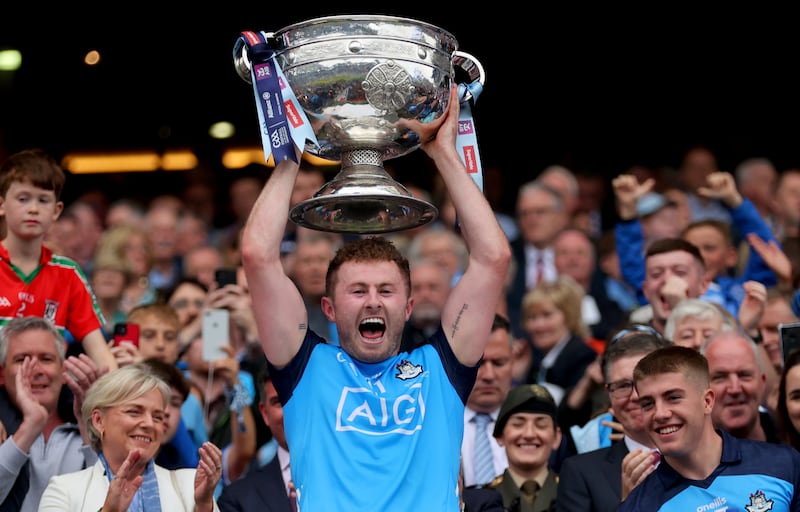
[(11, 419), (261, 490), (568, 367), (481, 499), (592, 481), (517, 289)]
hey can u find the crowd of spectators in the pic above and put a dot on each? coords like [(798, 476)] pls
[(696, 256)]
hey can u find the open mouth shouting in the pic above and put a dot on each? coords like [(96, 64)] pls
[(372, 329)]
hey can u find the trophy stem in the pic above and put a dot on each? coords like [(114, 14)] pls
[(363, 157), (363, 199)]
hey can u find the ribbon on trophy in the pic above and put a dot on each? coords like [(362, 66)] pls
[(282, 120), (467, 140)]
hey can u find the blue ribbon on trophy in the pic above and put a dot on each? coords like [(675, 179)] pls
[(282, 120), (467, 139)]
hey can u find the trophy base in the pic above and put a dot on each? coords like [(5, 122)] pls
[(363, 199)]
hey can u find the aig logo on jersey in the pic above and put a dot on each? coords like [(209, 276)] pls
[(363, 411)]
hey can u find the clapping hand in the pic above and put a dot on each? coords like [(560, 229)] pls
[(125, 483), (753, 305), (79, 373), (32, 411), (209, 471)]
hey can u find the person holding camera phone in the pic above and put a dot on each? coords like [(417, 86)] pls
[(224, 392)]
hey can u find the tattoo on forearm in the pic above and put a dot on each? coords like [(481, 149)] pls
[(302, 327), (457, 320)]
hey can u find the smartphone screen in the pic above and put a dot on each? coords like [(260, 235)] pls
[(225, 276), (215, 333), (790, 338), (126, 332)]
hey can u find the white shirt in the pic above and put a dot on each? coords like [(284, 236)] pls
[(532, 254), (635, 445), (589, 311), (468, 447), (286, 470)]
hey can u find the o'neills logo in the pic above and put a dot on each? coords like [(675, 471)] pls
[(292, 115), (469, 159)]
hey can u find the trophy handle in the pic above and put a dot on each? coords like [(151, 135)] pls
[(241, 60), (472, 67)]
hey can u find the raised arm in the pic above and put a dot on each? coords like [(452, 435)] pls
[(280, 314), (628, 231), (471, 305)]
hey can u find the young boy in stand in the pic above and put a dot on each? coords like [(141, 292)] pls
[(33, 280)]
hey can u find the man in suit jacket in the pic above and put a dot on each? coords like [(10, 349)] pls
[(491, 387), (262, 489), (541, 214), (594, 481), (266, 488), (478, 499)]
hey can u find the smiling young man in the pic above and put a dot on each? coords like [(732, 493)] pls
[(595, 481), (370, 427), (703, 468)]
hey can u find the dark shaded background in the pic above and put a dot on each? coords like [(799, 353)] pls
[(597, 89)]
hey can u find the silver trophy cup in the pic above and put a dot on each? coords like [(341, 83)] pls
[(355, 77)]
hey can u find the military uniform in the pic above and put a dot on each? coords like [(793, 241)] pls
[(513, 499)]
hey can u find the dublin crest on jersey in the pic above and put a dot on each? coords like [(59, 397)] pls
[(406, 370)]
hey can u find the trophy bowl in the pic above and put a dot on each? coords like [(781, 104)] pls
[(355, 77)]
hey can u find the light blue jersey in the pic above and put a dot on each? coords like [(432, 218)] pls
[(752, 476), (383, 436)]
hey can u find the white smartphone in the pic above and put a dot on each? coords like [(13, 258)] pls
[(216, 325)]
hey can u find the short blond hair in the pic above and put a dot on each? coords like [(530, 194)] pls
[(116, 388), (566, 295)]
